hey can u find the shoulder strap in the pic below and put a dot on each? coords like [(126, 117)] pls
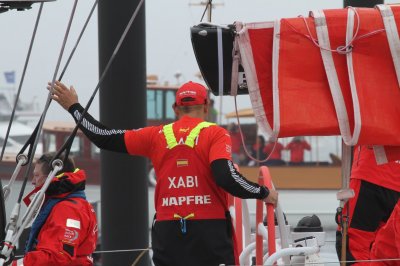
[(195, 132), (169, 136)]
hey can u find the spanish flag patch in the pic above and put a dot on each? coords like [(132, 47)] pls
[(182, 162)]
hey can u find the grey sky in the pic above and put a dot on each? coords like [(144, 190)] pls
[(168, 23)]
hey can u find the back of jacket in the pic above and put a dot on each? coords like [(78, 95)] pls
[(68, 236)]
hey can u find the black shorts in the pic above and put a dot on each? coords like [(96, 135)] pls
[(205, 243)]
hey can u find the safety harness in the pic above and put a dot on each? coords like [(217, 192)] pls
[(186, 166)]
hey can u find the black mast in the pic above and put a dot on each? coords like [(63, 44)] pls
[(124, 198), (362, 3)]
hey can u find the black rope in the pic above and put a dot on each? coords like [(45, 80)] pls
[(78, 40), (67, 145), (29, 143), (31, 139), (205, 10), (41, 121), (28, 56)]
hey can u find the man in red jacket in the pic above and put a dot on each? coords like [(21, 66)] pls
[(194, 169), (297, 147), (65, 230)]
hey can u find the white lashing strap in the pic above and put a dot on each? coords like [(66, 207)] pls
[(394, 44), (356, 105), (235, 62), (220, 63), (275, 79), (392, 36), (333, 80), (247, 60), (380, 154)]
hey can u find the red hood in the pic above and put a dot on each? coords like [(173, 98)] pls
[(61, 185)]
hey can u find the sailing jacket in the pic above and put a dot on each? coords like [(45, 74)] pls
[(365, 168), (68, 234)]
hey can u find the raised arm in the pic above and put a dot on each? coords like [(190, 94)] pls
[(102, 136)]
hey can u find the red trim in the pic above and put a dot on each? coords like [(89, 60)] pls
[(265, 178)]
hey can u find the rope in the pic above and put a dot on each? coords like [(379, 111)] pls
[(343, 49), (35, 132), (22, 80), (209, 3), (78, 40), (41, 121), (330, 262), (243, 141), (69, 60), (67, 145), (12, 225), (121, 250), (140, 256), (144, 250), (30, 140)]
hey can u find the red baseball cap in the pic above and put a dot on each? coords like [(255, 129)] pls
[(191, 93)]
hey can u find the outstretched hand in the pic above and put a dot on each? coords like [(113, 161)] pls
[(272, 197), (64, 96)]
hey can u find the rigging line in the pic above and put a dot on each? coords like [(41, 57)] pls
[(22, 79), (243, 141), (34, 133), (41, 121), (317, 263), (78, 40), (68, 143), (205, 10), (110, 251), (136, 261)]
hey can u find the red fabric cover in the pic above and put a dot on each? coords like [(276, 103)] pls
[(304, 95), (376, 82), (305, 101)]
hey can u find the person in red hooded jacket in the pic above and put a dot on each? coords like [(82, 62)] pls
[(65, 230), (193, 164)]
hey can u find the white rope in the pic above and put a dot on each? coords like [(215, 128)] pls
[(343, 49), (309, 263), (243, 141), (329, 262), (121, 250)]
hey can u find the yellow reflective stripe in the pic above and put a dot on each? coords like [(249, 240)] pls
[(195, 132), (169, 136), (186, 217), (189, 216)]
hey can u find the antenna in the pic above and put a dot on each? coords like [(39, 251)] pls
[(209, 6)]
